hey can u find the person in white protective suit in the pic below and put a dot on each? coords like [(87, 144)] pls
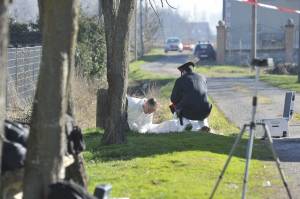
[(140, 113), (140, 118)]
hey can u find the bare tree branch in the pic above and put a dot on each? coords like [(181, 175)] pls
[(162, 5), (154, 10), (170, 4)]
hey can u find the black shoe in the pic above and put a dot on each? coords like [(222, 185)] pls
[(205, 129), (188, 127)]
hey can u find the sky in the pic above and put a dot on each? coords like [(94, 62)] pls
[(27, 10), (194, 10), (199, 10)]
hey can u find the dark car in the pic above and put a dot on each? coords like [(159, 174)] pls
[(205, 51)]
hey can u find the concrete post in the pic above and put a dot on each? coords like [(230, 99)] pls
[(289, 41), (221, 42)]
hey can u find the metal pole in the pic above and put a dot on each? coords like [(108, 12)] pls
[(251, 132), (236, 142), (276, 158), (254, 31), (299, 50), (224, 10)]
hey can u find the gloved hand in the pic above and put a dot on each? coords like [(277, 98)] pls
[(179, 115)]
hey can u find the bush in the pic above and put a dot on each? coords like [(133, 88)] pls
[(91, 50), (284, 68), (23, 34)]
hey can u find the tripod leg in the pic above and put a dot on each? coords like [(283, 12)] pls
[(236, 142), (267, 132), (248, 159)]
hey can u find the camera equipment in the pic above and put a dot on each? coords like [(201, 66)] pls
[(279, 126), (257, 63), (103, 191)]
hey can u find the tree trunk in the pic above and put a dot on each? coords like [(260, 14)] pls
[(75, 171), (3, 65), (299, 73), (116, 20), (46, 144), (102, 109)]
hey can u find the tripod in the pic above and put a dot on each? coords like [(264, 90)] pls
[(252, 126)]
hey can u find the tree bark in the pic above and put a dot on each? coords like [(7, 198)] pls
[(102, 109), (3, 65), (299, 74), (75, 171), (117, 16), (46, 144)]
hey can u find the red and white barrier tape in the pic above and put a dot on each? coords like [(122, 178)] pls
[(279, 8)]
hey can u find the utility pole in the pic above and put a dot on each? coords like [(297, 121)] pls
[(141, 28), (299, 50), (224, 10), (254, 30), (135, 34)]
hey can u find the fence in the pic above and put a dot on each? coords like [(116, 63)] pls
[(22, 74)]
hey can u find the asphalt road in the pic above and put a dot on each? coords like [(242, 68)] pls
[(233, 97), (169, 63)]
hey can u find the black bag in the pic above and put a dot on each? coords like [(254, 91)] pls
[(67, 190), (16, 132), (74, 137), (13, 156), (75, 141)]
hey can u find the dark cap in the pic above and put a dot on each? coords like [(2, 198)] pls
[(185, 67)]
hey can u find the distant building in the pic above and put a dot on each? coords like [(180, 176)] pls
[(270, 24), (199, 31)]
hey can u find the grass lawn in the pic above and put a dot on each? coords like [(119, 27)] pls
[(177, 165), (224, 71), (282, 81), (135, 74)]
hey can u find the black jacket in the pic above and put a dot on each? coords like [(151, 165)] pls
[(189, 96)]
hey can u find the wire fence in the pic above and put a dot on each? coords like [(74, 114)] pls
[(22, 74)]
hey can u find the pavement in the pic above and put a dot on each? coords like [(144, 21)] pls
[(233, 97)]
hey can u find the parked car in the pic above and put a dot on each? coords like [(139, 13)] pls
[(173, 44), (204, 50)]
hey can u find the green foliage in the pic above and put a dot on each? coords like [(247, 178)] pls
[(24, 34), (90, 56)]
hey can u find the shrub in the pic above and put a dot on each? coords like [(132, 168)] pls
[(91, 51), (24, 34), (284, 68)]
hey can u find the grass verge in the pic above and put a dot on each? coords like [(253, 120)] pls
[(281, 81), (177, 165), (224, 71)]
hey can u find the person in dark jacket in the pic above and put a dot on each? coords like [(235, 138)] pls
[(189, 98)]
